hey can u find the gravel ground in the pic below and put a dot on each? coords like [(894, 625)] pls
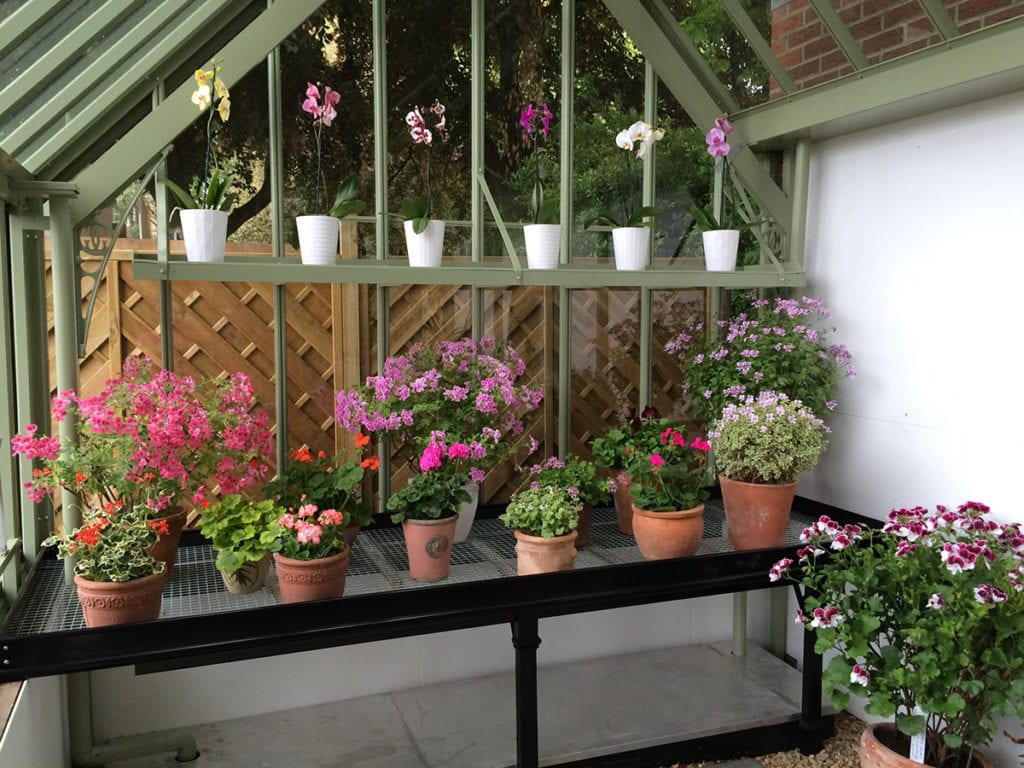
[(840, 751)]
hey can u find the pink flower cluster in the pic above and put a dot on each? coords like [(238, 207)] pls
[(457, 454), (309, 533), (323, 112), (418, 126), (716, 139)]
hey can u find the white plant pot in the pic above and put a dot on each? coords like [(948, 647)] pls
[(543, 243), (720, 247), (205, 233), (632, 247), (425, 247), (467, 513), (318, 239)]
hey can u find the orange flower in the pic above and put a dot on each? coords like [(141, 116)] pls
[(160, 526), (81, 477), (321, 455), (371, 463), (206, 503), (302, 454), (361, 440)]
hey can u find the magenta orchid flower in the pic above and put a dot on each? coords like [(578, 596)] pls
[(542, 211), (323, 112)]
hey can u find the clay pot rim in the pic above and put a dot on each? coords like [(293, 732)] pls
[(295, 562), (672, 514), (868, 736), (81, 581), (743, 482), (531, 539), (431, 521)]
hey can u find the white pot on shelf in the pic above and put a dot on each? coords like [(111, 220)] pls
[(632, 246), (205, 233), (467, 512), (318, 239), (543, 243), (720, 248), (425, 247)]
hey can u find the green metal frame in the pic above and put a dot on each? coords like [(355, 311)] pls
[(10, 499), (844, 39)]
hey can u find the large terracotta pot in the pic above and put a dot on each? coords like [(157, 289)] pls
[(250, 577), (166, 547), (429, 547), (874, 754), (663, 535), (756, 514), (304, 580), (124, 602), (623, 500), (585, 526), (537, 554)]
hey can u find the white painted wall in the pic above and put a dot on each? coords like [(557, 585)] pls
[(914, 242), (36, 734)]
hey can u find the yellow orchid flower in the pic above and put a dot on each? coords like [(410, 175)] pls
[(201, 97), (224, 107), (203, 77), (222, 90)]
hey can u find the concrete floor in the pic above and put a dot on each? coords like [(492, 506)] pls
[(587, 708)]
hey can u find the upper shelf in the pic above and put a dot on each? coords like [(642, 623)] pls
[(685, 273)]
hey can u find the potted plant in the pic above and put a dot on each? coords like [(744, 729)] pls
[(631, 236), (152, 440), (311, 557), (926, 616), (668, 491), (781, 345), (544, 519), (579, 477), (329, 482), (117, 579), (318, 233), (467, 392), (721, 239), (203, 210), (428, 508), (611, 451), (243, 533), (761, 448), (424, 236), (543, 235)]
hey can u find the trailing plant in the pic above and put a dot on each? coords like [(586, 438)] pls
[(241, 530), (768, 439), (544, 510), (926, 615)]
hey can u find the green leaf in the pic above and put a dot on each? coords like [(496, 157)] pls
[(413, 210), (345, 203), (605, 218), (185, 200), (637, 219), (911, 724)]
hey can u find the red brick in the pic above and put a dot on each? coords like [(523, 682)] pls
[(1003, 15), (887, 39), (826, 77), (905, 12), (852, 14), (921, 28), (785, 26), (804, 35), (870, 26), (805, 70), (791, 58), (972, 8), (818, 48), (903, 50), (834, 60), (969, 26), (784, 11)]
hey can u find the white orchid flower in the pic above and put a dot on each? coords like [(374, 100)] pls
[(624, 141)]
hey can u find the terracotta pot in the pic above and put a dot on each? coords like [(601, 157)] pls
[(251, 577), (756, 514), (623, 500), (304, 580), (874, 754), (586, 525), (350, 533), (429, 547), (106, 602), (537, 554), (663, 535), (166, 547)]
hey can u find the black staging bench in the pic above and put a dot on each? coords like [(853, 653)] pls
[(201, 623)]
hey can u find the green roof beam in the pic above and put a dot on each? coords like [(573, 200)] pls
[(840, 33), (653, 39), (15, 27), (161, 126), (940, 18), (983, 64), (761, 47)]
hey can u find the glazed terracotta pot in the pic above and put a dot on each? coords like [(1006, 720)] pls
[(304, 580), (429, 547), (166, 547), (664, 535), (875, 754), (756, 514), (585, 526), (537, 554), (251, 577), (105, 603), (623, 500)]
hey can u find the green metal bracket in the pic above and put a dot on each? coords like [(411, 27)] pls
[(844, 38), (509, 248), (940, 18)]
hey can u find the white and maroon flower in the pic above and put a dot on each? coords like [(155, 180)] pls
[(935, 602), (860, 675), (986, 594), (826, 617), (779, 569)]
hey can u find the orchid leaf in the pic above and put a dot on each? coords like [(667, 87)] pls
[(185, 200)]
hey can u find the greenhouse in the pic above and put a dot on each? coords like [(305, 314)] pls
[(491, 383)]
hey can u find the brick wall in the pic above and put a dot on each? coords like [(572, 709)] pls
[(885, 29)]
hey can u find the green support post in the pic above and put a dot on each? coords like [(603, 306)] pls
[(275, 132), (478, 75), (568, 88), (645, 386), (380, 162)]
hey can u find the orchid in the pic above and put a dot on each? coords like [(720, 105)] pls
[(415, 210), (542, 210), (919, 636), (638, 142), (323, 109), (152, 439), (211, 191), (717, 140)]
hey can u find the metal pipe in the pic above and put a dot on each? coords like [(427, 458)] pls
[(799, 196), (380, 162), (163, 249), (645, 385), (777, 622), (526, 640), (478, 73), (568, 89), (739, 624), (86, 754), (275, 133)]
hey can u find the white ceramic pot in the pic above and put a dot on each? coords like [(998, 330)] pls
[(205, 233), (318, 239), (425, 247), (543, 242), (720, 247), (467, 513), (632, 247)]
